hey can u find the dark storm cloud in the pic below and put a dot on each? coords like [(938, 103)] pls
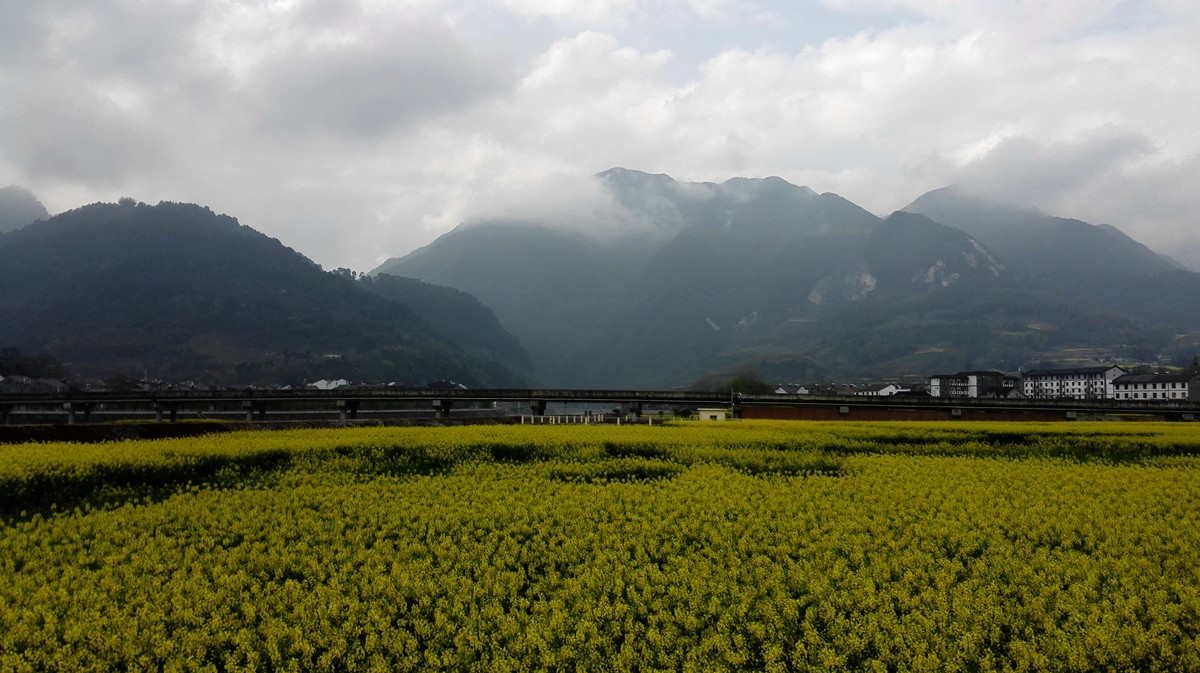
[(374, 84)]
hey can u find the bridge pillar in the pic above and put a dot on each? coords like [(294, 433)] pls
[(635, 408), (172, 412), (537, 407), (253, 409), (347, 409), (4, 412), (443, 407), (73, 409)]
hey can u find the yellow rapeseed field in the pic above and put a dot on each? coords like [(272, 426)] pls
[(781, 546)]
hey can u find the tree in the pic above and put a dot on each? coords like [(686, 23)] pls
[(746, 380)]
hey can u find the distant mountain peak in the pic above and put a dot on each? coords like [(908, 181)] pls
[(19, 207), (960, 197), (1060, 250), (757, 188)]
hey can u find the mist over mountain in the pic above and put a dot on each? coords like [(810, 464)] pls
[(1082, 261), (659, 284), (766, 274), (175, 291), (19, 207)]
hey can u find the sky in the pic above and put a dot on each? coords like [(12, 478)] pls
[(358, 130)]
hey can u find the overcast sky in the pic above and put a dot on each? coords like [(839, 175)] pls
[(356, 130)]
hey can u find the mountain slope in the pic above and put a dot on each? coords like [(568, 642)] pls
[(1030, 242), (1097, 263), (177, 291), (455, 314)]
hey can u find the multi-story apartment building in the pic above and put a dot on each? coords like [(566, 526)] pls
[(1183, 386), (1082, 383)]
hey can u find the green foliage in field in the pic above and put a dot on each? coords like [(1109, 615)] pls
[(761, 546)]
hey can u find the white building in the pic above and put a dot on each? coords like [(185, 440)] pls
[(882, 390), (1081, 383), (325, 384), (1181, 387)]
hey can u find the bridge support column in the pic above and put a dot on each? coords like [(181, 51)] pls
[(172, 412), (635, 408), (347, 409), (443, 408), (4, 412), (255, 409), (537, 407), (73, 409)]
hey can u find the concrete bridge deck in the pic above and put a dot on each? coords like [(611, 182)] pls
[(347, 401)]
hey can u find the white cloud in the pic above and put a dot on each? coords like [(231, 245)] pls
[(357, 129), (1020, 169), (369, 86), (573, 10), (56, 131)]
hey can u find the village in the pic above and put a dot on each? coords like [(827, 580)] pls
[(1098, 382)]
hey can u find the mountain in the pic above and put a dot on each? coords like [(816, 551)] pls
[(1064, 251), (557, 288), (19, 207), (1084, 262), (765, 274), (703, 278), (178, 292)]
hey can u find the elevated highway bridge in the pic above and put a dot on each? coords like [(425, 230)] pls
[(258, 404)]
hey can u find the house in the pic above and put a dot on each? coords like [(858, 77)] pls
[(324, 384), (17, 383), (1182, 386), (791, 389), (972, 384), (711, 414), (882, 390), (1081, 383)]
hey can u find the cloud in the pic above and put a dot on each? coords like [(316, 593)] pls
[(1154, 201), (586, 11), (374, 84), (354, 130), (53, 130), (1023, 170), (581, 203)]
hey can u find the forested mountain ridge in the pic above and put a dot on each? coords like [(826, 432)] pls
[(176, 291)]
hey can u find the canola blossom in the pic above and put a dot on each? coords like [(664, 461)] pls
[(730, 546)]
